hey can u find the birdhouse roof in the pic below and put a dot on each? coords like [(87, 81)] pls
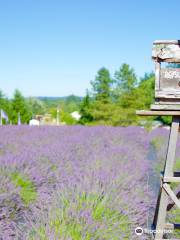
[(166, 51)]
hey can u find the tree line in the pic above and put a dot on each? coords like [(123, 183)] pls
[(30, 107), (113, 100), (26, 108)]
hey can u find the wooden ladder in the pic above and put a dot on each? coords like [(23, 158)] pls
[(167, 177)]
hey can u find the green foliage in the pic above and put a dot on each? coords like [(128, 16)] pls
[(116, 106), (125, 79), (20, 105), (98, 109), (85, 110), (67, 118), (27, 192), (145, 91), (69, 104), (101, 112), (73, 225), (157, 142), (177, 164), (102, 85), (175, 218), (166, 119), (64, 117), (5, 105), (37, 106), (111, 101), (72, 103)]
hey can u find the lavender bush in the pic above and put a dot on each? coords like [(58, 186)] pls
[(74, 182)]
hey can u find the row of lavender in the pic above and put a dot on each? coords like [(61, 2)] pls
[(75, 182)]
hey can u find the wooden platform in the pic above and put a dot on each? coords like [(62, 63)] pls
[(165, 107), (157, 113)]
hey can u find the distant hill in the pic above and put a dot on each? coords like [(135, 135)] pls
[(65, 98), (69, 103)]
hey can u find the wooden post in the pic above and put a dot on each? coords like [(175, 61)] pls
[(161, 208), (57, 116), (167, 103), (168, 170), (157, 75), (166, 193)]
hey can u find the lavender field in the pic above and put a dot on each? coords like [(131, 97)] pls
[(79, 183)]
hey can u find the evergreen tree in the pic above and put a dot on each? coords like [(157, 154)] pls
[(102, 85), (19, 105), (125, 79), (100, 109), (37, 106), (85, 109), (2, 101), (136, 97)]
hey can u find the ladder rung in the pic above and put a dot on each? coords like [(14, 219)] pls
[(171, 194), (169, 226), (167, 177), (172, 226), (171, 179), (174, 178)]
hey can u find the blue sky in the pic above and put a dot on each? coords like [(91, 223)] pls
[(55, 47)]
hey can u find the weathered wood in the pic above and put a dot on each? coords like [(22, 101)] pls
[(169, 84), (157, 42), (172, 226), (165, 94), (168, 101), (165, 107), (160, 220), (166, 52), (170, 78), (157, 113), (170, 60), (170, 158), (172, 179), (171, 194), (167, 80), (171, 205), (157, 208), (166, 177), (175, 174), (157, 75), (169, 226)]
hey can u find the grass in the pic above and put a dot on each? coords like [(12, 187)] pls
[(177, 165), (65, 224), (157, 142), (28, 192)]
